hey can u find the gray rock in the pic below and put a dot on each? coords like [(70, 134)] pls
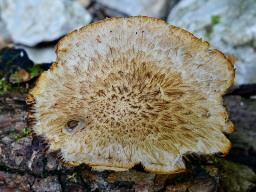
[(24, 154), (100, 11), (141, 181), (33, 21), (12, 122), (139, 7), (72, 182), (132, 180), (3, 31), (229, 26), (49, 184), (85, 3), (15, 182), (243, 114), (4, 34), (52, 162), (40, 54), (203, 184)]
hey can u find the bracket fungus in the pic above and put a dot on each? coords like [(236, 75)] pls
[(126, 91)]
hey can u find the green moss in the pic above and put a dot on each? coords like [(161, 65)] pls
[(35, 70), (24, 133), (236, 177), (215, 19), (4, 87)]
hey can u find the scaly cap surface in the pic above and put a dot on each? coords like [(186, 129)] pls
[(125, 91)]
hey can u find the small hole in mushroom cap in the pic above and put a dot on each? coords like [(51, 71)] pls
[(73, 125)]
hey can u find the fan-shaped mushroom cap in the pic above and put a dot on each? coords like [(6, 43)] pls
[(133, 90)]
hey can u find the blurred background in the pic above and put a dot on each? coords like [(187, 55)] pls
[(29, 31)]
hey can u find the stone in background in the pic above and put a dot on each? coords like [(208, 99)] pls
[(34, 21), (4, 35), (85, 3), (152, 8), (229, 25), (38, 55)]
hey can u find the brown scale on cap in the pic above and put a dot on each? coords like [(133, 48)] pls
[(133, 90)]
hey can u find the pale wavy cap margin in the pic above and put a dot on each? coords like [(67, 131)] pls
[(230, 61), (33, 92)]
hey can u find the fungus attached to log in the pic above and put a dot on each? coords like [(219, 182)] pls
[(125, 91)]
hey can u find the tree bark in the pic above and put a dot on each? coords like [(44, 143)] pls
[(26, 166)]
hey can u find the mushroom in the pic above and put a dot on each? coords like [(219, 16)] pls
[(136, 90)]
